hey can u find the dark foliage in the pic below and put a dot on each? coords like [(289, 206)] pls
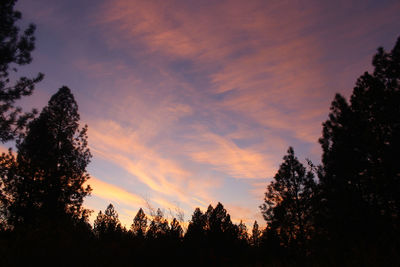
[(15, 51), (139, 225), (175, 230), (213, 238), (158, 227), (360, 178), (107, 225), (46, 179), (255, 235), (287, 208)]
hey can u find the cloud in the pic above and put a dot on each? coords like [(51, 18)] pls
[(222, 154), (114, 193), (269, 64), (240, 213), (115, 143), (202, 93), (270, 55), (173, 132), (162, 175)]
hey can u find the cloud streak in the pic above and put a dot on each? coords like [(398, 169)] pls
[(195, 102), (114, 193)]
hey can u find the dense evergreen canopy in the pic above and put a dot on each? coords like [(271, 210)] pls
[(288, 202), (360, 178), (48, 175)]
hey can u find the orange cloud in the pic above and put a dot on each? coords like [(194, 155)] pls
[(224, 155), (266, 83), (240, 213), (267, 61), (162, 175), (114, 143), (114, 193)]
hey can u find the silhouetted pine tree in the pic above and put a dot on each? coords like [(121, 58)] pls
[(139, 224), (46, 180), (360, 182), (242, 232), (195, 234), (218, 220), (107, 225), (287, 208), (158, 227), (175, 230), (255, 235), (15, 50)]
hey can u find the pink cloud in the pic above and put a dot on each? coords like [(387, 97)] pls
[(165, 176), (276, 66), (114, 193), (267, 75), (222, 154)]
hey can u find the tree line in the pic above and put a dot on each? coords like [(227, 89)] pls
[(343, 212)]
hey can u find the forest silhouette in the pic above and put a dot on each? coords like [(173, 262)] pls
[(344, 212)]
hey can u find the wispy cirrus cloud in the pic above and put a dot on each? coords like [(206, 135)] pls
[(266, 65), (224, 155), (270, 55), (114, 193), (185, 98), (162, 175)]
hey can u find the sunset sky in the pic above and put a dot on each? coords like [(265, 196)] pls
[(193, 102)]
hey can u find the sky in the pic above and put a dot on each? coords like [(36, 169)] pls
[(195, 102)]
